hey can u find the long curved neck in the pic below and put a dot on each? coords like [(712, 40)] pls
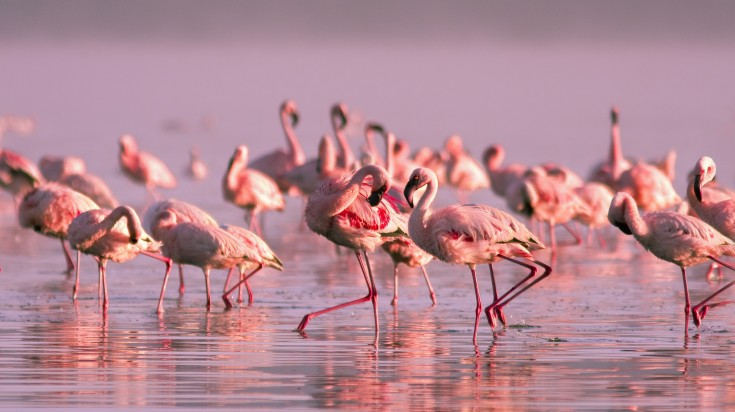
[(233, 170), (294, 146), (616, 152), (633, 218), (133, 222), (421, 212), (346, 197), (347, 158)]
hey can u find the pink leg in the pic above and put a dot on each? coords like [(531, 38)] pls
[(245, 282), (503, 300), (600, 239), (182, 287), (432, 295), (369, 296), (163, 289), (687, 303), (244, 279), (67, 256), (75, 289), (577, 238), (478, 308), (394, 302), (103, 273), (699, 311), (206, 285), (498, 311), (227, 280)]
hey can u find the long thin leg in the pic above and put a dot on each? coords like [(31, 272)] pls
[(227, 279), (206, 284), (432, 295), (394, 302), (498, 312), (163, 289), (244, 279), (497, 301), (308, 317), (75, 289), (577, 238), (67, 256), (478, 308), (182, 287), (374, 295), (700, 311), (503, 300), (687, 303), (103, 273)]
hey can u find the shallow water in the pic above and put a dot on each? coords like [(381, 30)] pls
[(605, 331)]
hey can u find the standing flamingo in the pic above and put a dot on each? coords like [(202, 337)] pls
[(185, 212), (352, 212), (197, 168), (471, 234), (261, 255), (597, 197), (501, 177), (279, 162), (196, 244), (50, 208), (143, 167), (250, 189), (680, 239), (114, 235)]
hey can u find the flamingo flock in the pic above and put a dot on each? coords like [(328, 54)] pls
[(380, 201)]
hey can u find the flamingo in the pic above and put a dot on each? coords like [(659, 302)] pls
[(463, 172), (680, 239), (197, 168), (546, 199), (200, 245), (262, 256), (501, 177), (50, 208), (597, 197), (608, 172), (339, 116), (351, 211), (143, 167), (470, 234), (649, 186), (115, 235), (716, 208), (250, 189), (185, 212), (71, 171), (18, 175), (279, 162)]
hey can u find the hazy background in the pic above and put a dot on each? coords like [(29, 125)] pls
[(536, 76)]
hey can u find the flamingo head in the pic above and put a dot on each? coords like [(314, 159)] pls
[(614, 115), (288, 108), (128, 144), (420, 177), (339, 116), (704, 172), (616, 212)]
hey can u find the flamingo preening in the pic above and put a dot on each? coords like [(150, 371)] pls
[(351, 211), (472, 234)]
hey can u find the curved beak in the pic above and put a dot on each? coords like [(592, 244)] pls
[(698, 186), (408, 191), (377, 196)]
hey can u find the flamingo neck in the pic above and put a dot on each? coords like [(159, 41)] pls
[(633, 218), (345, 198), (294, 146), (417, 227), (133, 223), (233, 171), (390, 144), (346, 157), (616, 152)]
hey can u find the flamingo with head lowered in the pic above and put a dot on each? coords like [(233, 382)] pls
[(472, 234), (352, 211)]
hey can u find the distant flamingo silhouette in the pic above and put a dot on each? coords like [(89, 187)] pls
[(50, 208), (197, 168), (143, 167), (463, 172), (279, 162), (471, 234), (250, 189), (682, 240), (501, 177), (115, 235), (185, 212), (352, 212), (199, 245), (261, 256)]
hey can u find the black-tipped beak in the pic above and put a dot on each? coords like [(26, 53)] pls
[(294, 118), (623, 227), (408, 192), (377, 196), (698, 186)]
